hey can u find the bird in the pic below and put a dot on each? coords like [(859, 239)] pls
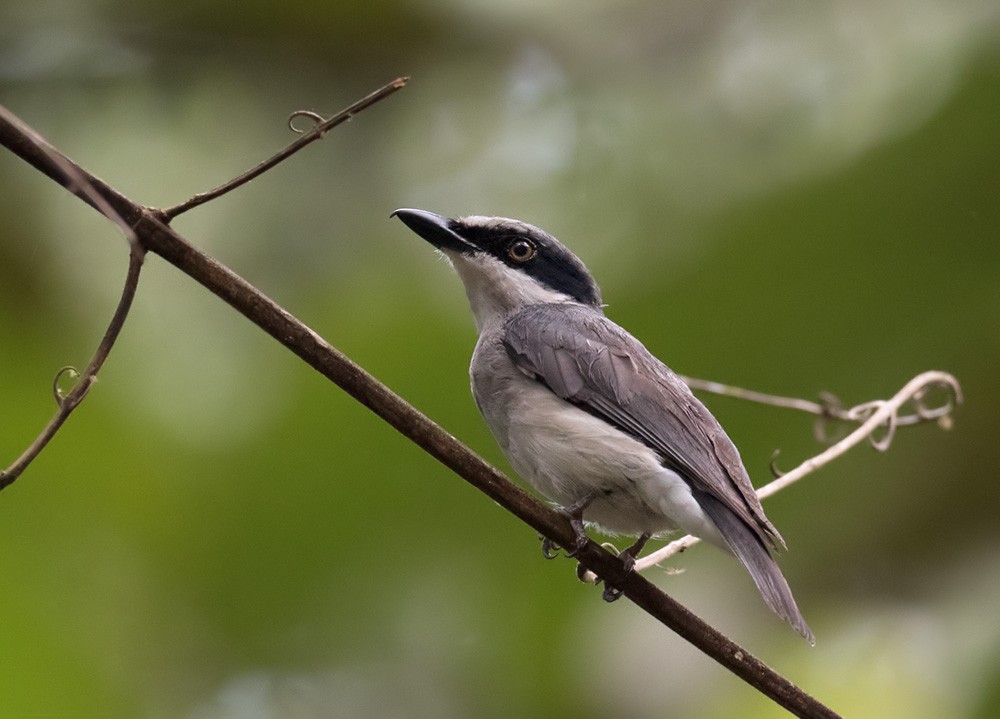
[(587, 415)]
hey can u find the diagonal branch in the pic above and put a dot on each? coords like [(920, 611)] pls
[(158, 237)]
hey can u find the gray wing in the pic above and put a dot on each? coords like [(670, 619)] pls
[(586, 359)]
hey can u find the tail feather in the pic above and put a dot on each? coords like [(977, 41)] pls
[(751, 551)]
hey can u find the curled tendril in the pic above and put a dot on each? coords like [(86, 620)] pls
[(941, 413), (883, 416), (862, 412), (832, 413), (314, 117), (832, 406), (56, 392), (920, 404), (775, 472), (926, 411), (882, 443), (820, 427), (822, 432)]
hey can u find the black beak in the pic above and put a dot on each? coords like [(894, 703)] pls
[(435, 229)]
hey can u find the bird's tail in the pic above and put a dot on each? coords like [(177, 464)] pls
[(751, 551)]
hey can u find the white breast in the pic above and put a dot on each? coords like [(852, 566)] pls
[(567, 454)]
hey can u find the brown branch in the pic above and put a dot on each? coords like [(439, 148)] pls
[(68, 402), (76, 181), (158, 237), (316, 133)]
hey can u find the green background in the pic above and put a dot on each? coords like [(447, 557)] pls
[(790, 197)]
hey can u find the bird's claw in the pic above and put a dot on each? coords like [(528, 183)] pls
[(550, 550), (610, 594)]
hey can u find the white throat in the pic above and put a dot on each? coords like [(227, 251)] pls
[(496, 290)]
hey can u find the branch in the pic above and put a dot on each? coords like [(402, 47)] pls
[(76, 181), (68, 402), (79, 183), (874, 416), (829, 409), (320, 128), (158, 237)]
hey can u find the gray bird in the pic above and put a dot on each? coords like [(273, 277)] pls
[(586, 414)]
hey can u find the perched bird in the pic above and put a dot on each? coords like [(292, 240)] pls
[(586, 414)]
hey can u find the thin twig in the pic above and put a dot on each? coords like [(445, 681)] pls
[(830, 408), (874, 416), (77, 182), (68, 402), (333, 364), (316, 133)]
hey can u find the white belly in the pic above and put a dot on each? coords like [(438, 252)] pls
[(567, 454)]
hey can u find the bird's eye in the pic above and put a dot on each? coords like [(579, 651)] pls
[(521, 251)]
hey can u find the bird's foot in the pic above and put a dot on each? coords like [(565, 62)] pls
[(627, 556), (550, 549), (610, 594)]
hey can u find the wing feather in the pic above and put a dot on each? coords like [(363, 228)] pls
[(586, 359)]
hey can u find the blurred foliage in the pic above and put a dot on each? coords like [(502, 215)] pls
[(784, 196)]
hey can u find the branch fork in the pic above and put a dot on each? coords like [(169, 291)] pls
[(89, 189)]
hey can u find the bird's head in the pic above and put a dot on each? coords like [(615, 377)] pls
[(505, 264)]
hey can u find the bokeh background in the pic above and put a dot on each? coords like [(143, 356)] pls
[(788, 196)]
